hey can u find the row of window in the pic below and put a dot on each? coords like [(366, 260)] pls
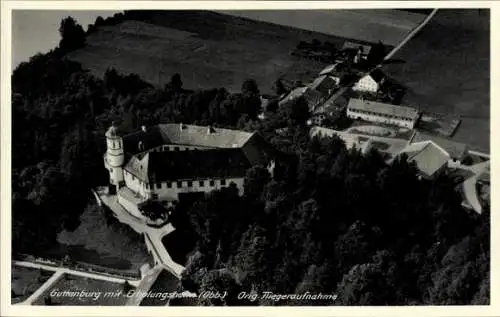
[(172, 148), (380, 115), (211, 183)]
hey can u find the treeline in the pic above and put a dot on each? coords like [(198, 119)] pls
[(333, 221)]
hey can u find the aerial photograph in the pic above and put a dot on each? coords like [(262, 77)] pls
[(333, 157)]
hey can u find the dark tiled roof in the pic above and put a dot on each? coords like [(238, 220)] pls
[(377, 75), (192, 164), (149, 139), (382, 108)]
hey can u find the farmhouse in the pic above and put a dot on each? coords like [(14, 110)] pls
[(381, 112), (325, 84), (429, 158), (363, 49), (371, 82), (456, 150), (314, 98), (164, 162)]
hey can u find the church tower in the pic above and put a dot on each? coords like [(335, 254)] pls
[(114, 158)]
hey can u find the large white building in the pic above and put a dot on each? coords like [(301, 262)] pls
[(382, 113), (162, 162), (371, 82)]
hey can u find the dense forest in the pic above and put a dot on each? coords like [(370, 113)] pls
[(328, 220)]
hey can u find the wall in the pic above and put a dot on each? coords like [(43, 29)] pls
[(377, 118), (134, 184), (129, 206), (165, 193)]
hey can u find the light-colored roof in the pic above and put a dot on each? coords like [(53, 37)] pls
[(198, 136), (428, 156), (382, 108), (328, 69), (295, 93), (312, 97), (455, 149)]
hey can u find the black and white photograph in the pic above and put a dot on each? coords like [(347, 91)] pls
[(333, 157)]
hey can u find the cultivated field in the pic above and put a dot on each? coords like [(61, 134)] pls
[(388, 26), (71, 283), (25, 281), (447, 71), (209, 50)]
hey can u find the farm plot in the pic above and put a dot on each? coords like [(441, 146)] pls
[(73, 290), (388, 26), (446, 69), (25, 281), (208, 51)]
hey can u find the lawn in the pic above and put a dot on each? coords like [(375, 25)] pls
[(113, 245), (25, 281), (209, 50), (447, 69), (93, 292)]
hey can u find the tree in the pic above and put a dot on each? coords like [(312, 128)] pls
[(223, 282), (175, 82), (249, 87), (280, 88), (72, 35), (376, 54), (255, 180)]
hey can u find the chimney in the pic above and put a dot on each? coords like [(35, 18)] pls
[(143, 128)]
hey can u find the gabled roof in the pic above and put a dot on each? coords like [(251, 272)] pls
[(329, 69), (324, 81), (312, 97), (174, 133), (185, 134), (192, 164), (428, 156), (382, 108), (455, 149), (377, 75)]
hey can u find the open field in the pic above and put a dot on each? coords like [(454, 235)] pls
[(446, 70), (386, 25), (208, 49), (206, 56), (94, 241), (25, 281), (97, 292)]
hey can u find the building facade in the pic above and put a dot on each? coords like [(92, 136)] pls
[(372, 111), (371, 82)]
